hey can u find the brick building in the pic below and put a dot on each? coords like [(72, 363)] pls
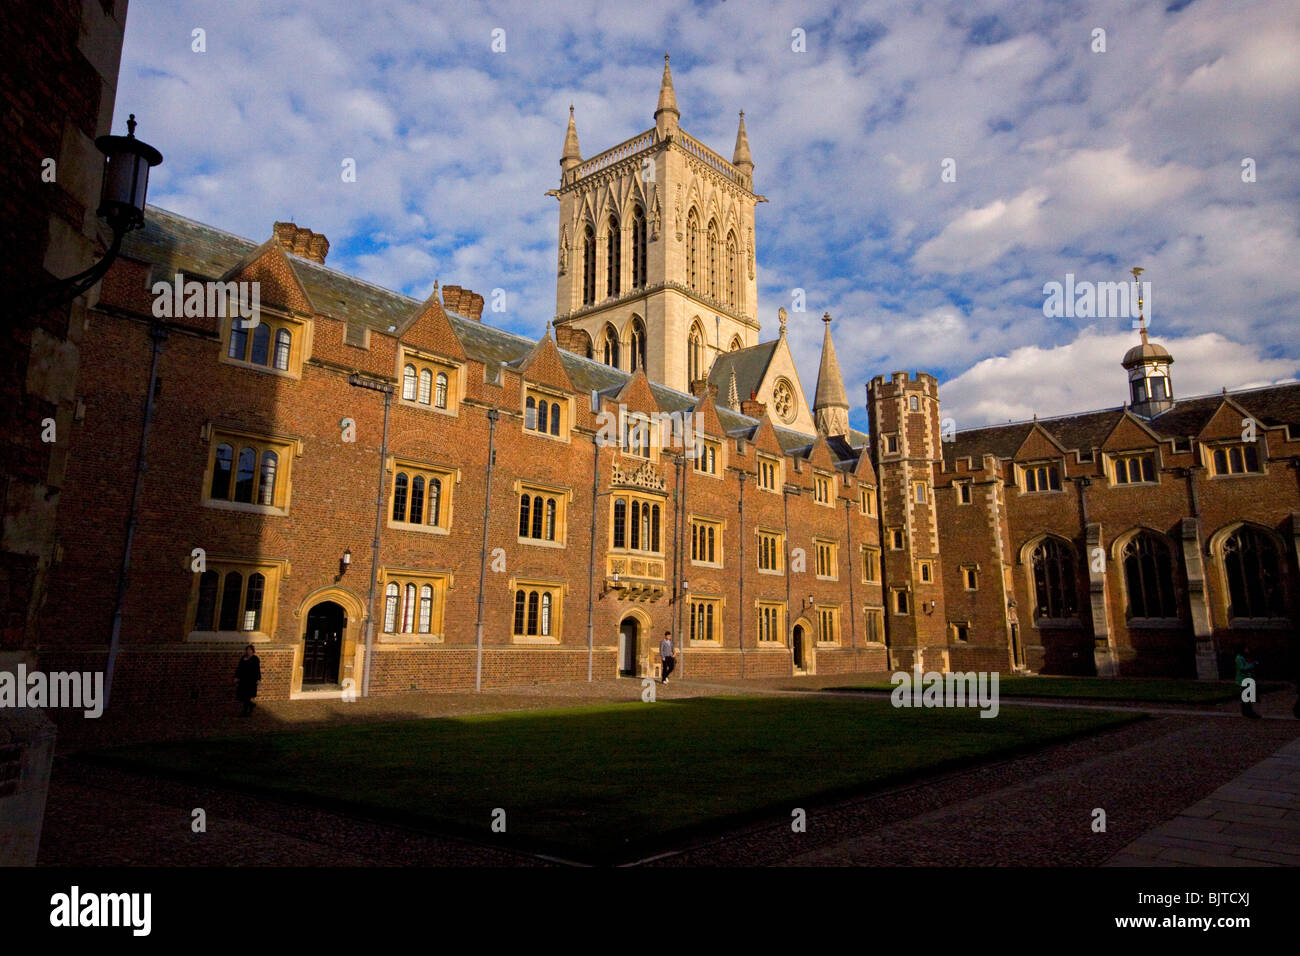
[(390, 494)]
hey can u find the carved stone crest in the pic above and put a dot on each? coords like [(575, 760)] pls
[(638, 475)]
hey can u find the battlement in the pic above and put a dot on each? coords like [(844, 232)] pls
[(889, 387)]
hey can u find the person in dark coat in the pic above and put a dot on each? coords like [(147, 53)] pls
[(247, 675)]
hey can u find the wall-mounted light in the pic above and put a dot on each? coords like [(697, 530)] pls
[(127, 162), (686, 585), (345, 561)]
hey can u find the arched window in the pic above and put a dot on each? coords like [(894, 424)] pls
[(253, 602), (440, 391), (1148, 577), (1252, 566), (435, 501), (537, 516), (530, 413), (634, 539), (1055, 592), (408, 383), (519, 612), (244, 475), (270, 463), (620, 522), (736, 344), (283, 345), (221, 471), (695, 354), (638, 247), (400, 485), (525, 509), (426, 608), (546, 615), (417, 500), (733, 266), (532, 612), (207, 604), (588, 265), (543, 409), (230, 593), (390, 608), (613, 258), (638, 345), (238, 339), (426, 386), (692, 250), (609, 348), (261, 344), (555, 418), (654, 530), (550, 519), (713, 258)]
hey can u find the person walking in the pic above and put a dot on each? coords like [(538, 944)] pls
[(247, 676), (1246, 671), (667, 655)]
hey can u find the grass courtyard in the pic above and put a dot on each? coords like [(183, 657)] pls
[(603, 783), (1108, 689)]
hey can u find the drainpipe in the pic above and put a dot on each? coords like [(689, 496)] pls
[(492, 416), (591, 569), (157, 332), (740, 507), (678, 533), (853, 607), (359, 381), (785, 559)]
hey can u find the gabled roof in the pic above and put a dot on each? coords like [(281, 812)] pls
[(1271, 406), (749, 364)]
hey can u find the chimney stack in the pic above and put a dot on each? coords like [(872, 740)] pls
[(463, 302), (752, 407), (302, 242)]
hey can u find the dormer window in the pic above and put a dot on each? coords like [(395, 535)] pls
[(545, 414), (428, 384), (1134, 469), (1236, 459)]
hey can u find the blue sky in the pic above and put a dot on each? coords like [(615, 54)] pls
[(1067, 161)]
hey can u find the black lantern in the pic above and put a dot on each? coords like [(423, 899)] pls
[(126, 178), (121, 206)]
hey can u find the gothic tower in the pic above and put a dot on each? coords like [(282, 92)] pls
[(656, 250)]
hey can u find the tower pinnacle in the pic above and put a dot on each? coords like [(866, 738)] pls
[(667, 115), (831, 404), (741, 157), (571, 156)]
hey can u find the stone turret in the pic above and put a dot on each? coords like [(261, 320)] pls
[(667, 115), (571, 156), (831, 405)]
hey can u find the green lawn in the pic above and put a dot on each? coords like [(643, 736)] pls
[(608, 782), (1108, 688)]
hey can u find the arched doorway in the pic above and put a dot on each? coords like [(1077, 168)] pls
[(323, 644), (628, 634), (796, 645)]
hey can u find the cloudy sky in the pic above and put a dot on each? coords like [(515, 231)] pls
[(1067, 160)]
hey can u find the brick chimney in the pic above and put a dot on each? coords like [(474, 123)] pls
[(752, 407), (462, 302), (700, 386), (301, 242)]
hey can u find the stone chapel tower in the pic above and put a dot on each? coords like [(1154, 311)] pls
[(656, 250)]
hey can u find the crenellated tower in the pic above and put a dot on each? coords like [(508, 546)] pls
[(656, 250), (904, 420)]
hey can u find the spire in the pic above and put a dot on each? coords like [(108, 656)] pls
[(733, 392), (831, 405), (741, 157), (571, 156), (1150, 386), (666, 113), (1137, 284)]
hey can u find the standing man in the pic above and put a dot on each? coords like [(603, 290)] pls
[(247, 676), (666, 654)]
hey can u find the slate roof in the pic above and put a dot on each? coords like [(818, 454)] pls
[(176, 244), (1271, 405), (750, 365)]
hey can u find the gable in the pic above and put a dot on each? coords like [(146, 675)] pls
[(1128, 433), (1038, 444), (1225, 422), (278, 284), (431, 331), (543, 366), (782, 366), (636, 395)]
